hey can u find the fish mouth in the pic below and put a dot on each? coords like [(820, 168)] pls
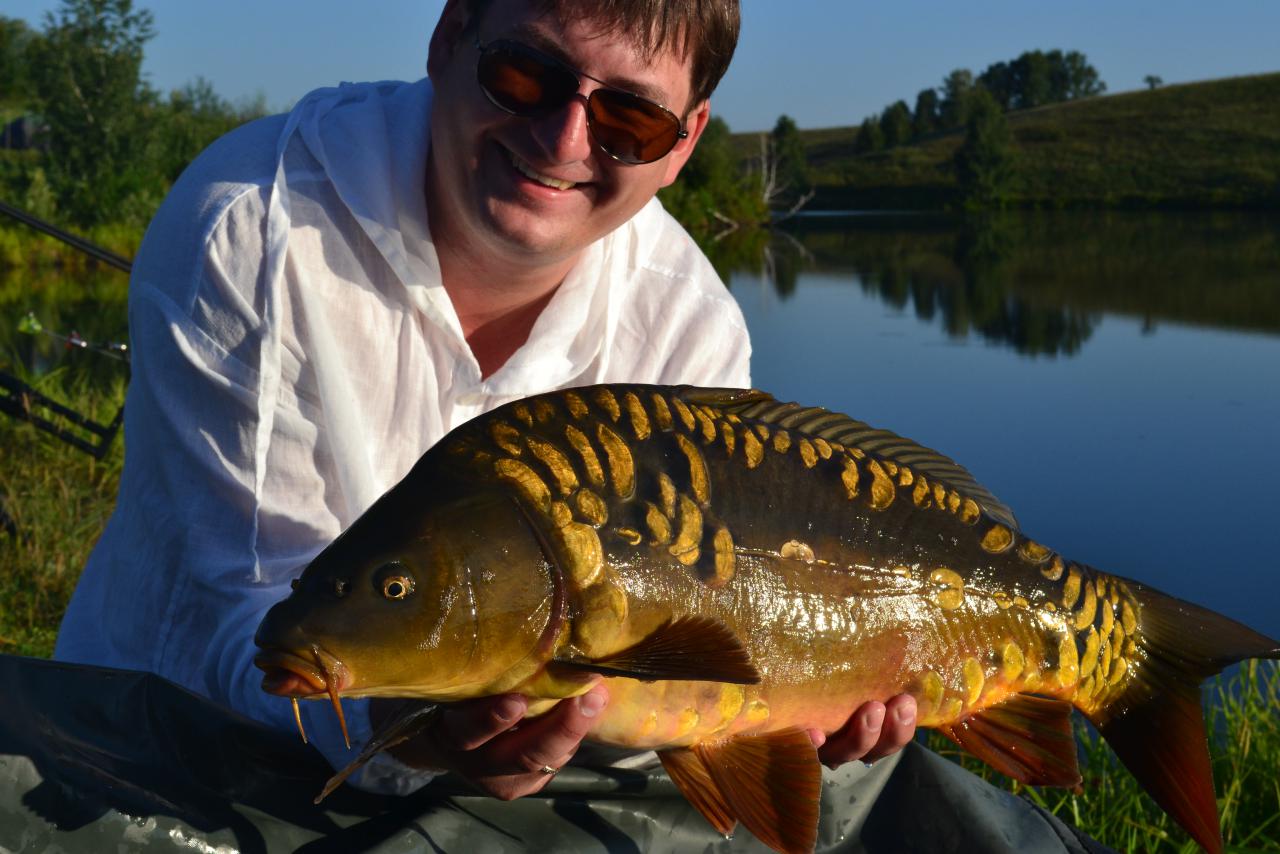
[(287, 674)]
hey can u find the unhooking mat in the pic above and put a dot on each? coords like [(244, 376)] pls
[(96, 760)]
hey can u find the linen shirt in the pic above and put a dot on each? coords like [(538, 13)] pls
[(295, 352)]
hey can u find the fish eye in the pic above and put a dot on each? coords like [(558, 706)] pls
[(397, 586), (340, 587)]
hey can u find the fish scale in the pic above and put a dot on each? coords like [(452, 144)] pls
[(742, 570)]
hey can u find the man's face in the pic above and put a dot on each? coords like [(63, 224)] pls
[(539, 189)]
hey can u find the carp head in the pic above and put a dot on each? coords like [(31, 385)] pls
[(440, 591)]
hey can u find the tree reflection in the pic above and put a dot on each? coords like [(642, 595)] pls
[(1037, 282)]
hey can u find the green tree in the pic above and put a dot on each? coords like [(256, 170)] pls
[(193, 117), (15, 38), (792, 168), (85, 76), (713, 190), (956, 88), (1000, 81), (1153, 81), (895, 122), (924, 119), (1032, 84), (870, 137), (1082, 78), (984, 162)]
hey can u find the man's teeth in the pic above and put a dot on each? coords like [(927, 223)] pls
[(546, 180)]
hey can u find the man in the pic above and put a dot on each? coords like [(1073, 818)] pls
[(324, 295)]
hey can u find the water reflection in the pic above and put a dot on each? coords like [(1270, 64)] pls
[(1037, 282)]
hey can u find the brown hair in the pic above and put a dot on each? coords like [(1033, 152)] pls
[(706, 30)]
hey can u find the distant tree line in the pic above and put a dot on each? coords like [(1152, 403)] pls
[(1034, 79), (108, 145)]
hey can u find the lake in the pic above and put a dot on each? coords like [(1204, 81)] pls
[(1114, 378)]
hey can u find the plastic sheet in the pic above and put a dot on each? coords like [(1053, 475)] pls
[(95, 760)]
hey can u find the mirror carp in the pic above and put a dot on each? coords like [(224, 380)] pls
[(741, 569)]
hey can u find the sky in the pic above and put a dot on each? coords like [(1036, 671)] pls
[(823, 62)]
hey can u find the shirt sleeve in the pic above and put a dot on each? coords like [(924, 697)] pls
[(195, 553)]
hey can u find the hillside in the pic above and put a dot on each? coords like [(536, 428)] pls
[(1197, 145)]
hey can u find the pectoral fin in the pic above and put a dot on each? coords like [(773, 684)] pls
[(698, 648), (1026, 738), (410, 719), (772, 783)]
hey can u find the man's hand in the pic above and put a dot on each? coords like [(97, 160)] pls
[(874, 731), (479, 740)]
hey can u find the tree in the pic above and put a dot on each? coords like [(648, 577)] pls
[(924, 119), (1083, 79), (1153, 81), (712, 192), (956, 88), (999, 81), (15, 38), (86, 78), (788, 152), (1031, 75), (870, 137), (984, 162), (895, 122)]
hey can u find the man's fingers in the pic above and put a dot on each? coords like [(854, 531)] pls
[(470, 724), (857, 737), (899, 727), (553, 738)]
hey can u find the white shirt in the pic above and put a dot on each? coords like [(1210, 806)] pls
[(294, 353)]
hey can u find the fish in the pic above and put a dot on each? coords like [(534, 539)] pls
[(740, 570)]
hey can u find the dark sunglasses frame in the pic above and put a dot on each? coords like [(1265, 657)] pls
[(555, 65)]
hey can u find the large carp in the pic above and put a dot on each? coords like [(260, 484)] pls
[(742, 569)]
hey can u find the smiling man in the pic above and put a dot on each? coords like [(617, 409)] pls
[(325, 294)]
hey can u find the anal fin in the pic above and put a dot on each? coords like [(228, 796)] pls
[(1026, 738), (772, 783), (694, 782), (697, 648)]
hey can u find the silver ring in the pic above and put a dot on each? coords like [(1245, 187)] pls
[(549, 771)]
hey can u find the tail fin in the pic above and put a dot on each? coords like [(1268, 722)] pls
[(1156, 725)]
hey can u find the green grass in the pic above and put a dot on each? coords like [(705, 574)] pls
[(1208, 144), (58, 500), (1243, 718)]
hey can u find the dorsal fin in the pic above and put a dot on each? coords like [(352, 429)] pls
[(814, 421)]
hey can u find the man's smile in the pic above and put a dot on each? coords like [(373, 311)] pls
[(523, 167)]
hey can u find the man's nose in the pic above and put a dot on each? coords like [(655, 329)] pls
[(563, 134)]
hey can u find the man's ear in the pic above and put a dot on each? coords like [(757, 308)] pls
[(695, 124), (447, 36)]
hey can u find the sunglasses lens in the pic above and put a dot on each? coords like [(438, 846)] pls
[(527, 83), (630, 128), (521, 82)]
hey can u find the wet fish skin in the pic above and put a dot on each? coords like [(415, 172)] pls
[(763, 568)]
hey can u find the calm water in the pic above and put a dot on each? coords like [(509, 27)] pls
[(1113, 378), (1116, 381)]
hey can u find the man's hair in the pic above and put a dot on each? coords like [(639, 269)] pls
[(705, 30)]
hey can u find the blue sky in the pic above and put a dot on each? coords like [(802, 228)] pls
[(823, 62)]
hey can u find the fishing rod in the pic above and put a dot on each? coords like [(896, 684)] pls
[(89, 248), (20, 400)]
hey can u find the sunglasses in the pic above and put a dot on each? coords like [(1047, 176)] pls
[(525, 82)]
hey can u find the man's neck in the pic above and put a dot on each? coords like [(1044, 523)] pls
[(497, 299)]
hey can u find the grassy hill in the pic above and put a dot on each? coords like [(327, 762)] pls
[(1197, 145)]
